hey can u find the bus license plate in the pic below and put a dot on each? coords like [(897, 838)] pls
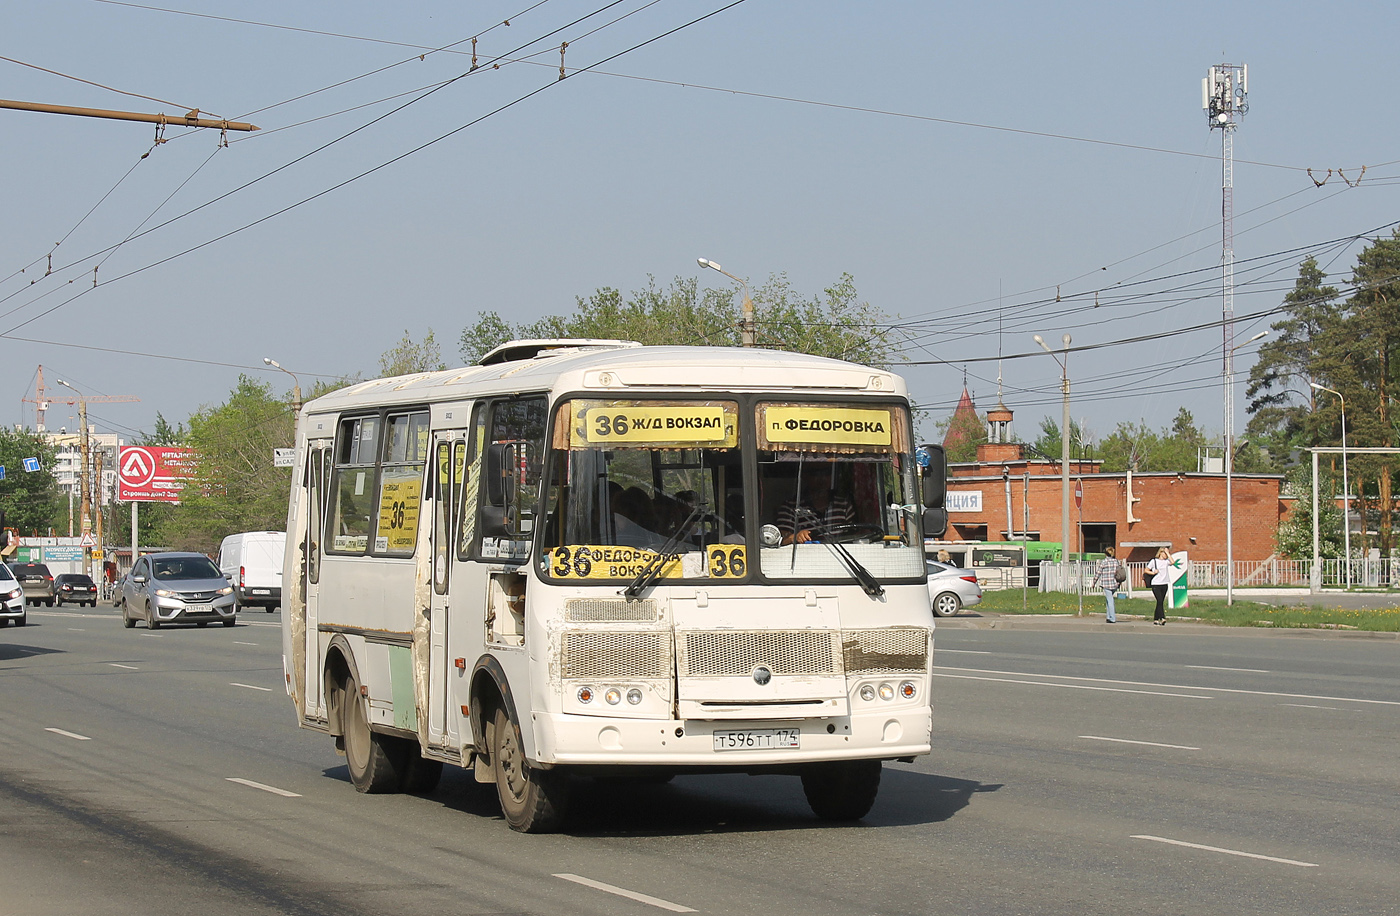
[(756, 739)]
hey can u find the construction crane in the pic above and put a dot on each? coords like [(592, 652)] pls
[(41, 401)]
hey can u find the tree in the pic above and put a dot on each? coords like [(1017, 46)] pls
[(408, 357), (971, 433), (1049, 444), (235, 487), (30, 500), (1134, 446), (1294, 536), (835, 323), (1280, 401)]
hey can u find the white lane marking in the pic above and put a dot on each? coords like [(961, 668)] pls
[(1228, 852), (1008, 680), (1108, 680), (76, 630), (1307, 706), (154, 635), (251, 687), (74, 736), (257, 785), (237, 643), (1177, 747), (965, 651), (630, 895), (127, 667), (1219, 668)]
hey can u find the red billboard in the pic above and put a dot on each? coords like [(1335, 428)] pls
[(152, 473)]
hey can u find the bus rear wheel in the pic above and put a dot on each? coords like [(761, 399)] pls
[(842, 791), (375, 762), (532, 800)]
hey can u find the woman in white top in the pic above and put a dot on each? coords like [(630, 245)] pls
[(1157, 570)]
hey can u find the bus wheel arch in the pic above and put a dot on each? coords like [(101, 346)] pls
[(339, 665)]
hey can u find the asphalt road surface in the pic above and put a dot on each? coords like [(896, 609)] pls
[(1075, 771)]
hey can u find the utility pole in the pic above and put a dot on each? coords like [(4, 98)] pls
[(1225, 96), (748, 336), (188, 119), (85, 495)]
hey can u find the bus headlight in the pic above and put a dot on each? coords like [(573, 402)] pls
[(867, 693), (634, 696), (585, 694), (613, 696), (886, 692)]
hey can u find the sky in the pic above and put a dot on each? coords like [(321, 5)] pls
[(985, 172)]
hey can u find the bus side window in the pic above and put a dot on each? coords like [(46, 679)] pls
[(513, 468)]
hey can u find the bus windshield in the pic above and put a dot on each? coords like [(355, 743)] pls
[(631, 479)]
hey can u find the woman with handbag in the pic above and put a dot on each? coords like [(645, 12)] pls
[(1157, 578), (1108, 575)]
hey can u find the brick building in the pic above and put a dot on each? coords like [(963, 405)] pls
[(1005, 496)]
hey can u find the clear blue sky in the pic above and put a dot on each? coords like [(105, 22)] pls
[(775, 137)]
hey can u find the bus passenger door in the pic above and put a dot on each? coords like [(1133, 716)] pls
[(449, 458), (318, 464)]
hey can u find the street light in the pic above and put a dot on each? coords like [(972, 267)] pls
[(296, 394), (1346, 488), (746, 328), (1064, 444), (1230, 470), (85, 500)]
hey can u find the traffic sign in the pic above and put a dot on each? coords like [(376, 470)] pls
[(2, 472), (1079, 494), (284, 457), (31, 464), (88, 540)]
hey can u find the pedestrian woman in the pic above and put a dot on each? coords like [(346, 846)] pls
[(1106, 578), (1157, 571)]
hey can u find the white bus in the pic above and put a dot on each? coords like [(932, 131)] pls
[(594, 558)]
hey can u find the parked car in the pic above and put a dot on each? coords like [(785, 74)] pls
[(36, 580), (951, 588), (177, 588), (76, 588), (252, 561), (11, 599)]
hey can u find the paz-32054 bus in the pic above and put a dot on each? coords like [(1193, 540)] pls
[(593, 558)]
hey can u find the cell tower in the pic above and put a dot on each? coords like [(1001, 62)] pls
[(1225, 98)]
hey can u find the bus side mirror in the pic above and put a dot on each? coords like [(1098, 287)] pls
[(935, 522), (933, 472)]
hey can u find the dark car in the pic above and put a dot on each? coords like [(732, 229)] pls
[(176, 588), (36, 580), (76, 588)]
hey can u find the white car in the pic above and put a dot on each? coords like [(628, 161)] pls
[(951, 588), (11, 599)]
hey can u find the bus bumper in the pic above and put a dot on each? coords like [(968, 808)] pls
[(567, 740)]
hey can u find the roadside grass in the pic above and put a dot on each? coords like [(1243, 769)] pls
[(1243, 613)]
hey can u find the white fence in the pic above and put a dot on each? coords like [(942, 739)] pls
[(1273, 573)]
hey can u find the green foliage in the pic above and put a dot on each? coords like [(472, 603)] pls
[(1134, 446), (835, 323), (1049, 443), (1294, 535), (31, 500), (408, 356), (968, 432), (235, 487)]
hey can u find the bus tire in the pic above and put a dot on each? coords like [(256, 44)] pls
[(533, 801), (842, 791), (376, 762)]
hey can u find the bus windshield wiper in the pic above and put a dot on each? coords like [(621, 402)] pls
[(666, 554), (868, 583)]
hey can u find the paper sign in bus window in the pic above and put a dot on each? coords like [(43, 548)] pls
[(828, 425)]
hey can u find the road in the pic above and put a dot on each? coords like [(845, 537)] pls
[(1076, 770)]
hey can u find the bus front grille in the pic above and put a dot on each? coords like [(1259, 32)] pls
[(615, 654), (725, 653), (900, 650), (602, 610)]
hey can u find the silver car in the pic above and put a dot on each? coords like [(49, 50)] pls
[(177, 588), (950, 588)]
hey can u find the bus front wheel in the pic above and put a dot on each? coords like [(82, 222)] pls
[(842, 791), (532, 800), (375, 761)]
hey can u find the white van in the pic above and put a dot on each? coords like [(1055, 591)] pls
[(252, 561)]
